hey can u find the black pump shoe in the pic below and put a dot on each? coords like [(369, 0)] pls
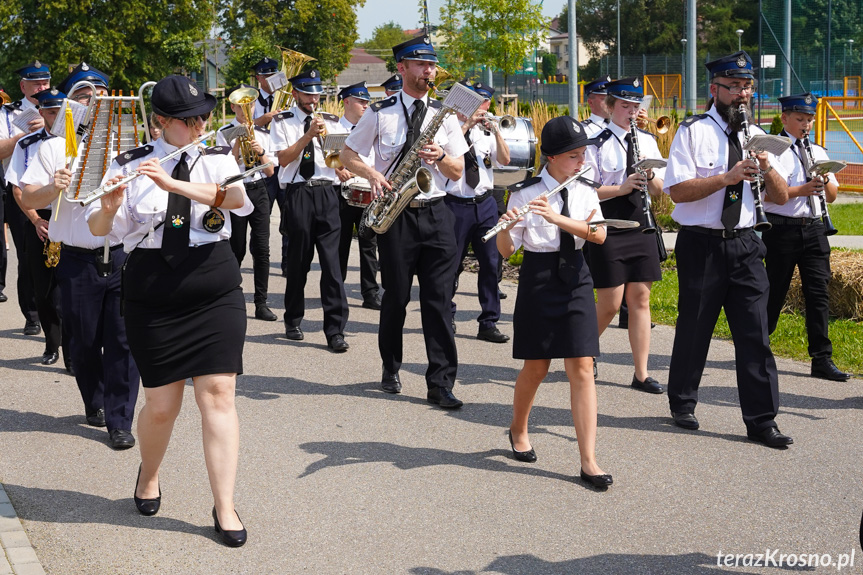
[(147, 507), (230, 538), (600, 481), (525, 456)]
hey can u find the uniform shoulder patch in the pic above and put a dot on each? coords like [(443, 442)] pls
[(32, 139), (225, 127), (130, 155), (381, 104), (12, 107), (262, 129), (527, 183), (283, 116), (435, 104), (602, 137), (692, 119), (330, 117), (216, 150), (652, 135)]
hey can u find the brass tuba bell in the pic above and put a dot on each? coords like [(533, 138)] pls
[(245, 97), (292, 63)]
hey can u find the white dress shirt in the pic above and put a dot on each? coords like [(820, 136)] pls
[(484, 146), (262, 136), (610, 158), (286, 131), (7, 128), (799, 207)]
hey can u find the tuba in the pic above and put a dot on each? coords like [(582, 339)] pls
[(292, 63), (245, 97)]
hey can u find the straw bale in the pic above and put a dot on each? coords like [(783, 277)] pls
[(845, 291)]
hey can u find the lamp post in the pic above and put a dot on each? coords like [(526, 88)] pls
[(739, 33), (619, 72), (683, 70)]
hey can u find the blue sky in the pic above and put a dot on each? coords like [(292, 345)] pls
[(406, 13)]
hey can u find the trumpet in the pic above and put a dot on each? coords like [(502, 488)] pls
[(662, 124), (244, 97), (505, 124)]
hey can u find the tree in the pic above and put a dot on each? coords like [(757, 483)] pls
[(182, 54), (323, 29), (549, 64), (126, 40), (241, 59), (496, 33), (383, 39)]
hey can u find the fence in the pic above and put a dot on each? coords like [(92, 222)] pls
[(839, 128)]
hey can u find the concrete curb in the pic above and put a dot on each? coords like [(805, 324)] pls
[(19, 557)]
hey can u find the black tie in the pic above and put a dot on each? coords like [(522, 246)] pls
[(416, 126), (269, 103), (804, 161), (630, 156), (733, 193), (566, 269), (471, 166), (175, 238), (307, 163)]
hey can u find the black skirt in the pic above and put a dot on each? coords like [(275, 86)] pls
[(626, 256), (187, 321), (553, 319)]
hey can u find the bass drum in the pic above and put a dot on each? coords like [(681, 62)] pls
[(522, 151)]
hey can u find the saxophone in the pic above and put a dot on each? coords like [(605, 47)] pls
[(408, 180)]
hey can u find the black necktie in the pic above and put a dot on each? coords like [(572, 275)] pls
[(269, 103), (804, 161), (566, 269), (175, 238), (416, 127), (630, 156), (471, 166), (307, 163), (733, 193)]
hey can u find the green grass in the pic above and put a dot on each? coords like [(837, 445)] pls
[(847, 218)]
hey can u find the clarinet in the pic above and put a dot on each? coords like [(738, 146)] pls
[(829, 228), (761, 223), (650, 226)]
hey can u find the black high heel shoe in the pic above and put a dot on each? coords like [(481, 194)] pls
[(525, 456), (600, 481), (230, 538), (147, 507)]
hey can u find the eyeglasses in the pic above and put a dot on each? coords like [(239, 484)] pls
[(192, 121), (737, 90)]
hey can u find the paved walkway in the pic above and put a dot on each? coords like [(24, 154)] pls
[(338, 477)]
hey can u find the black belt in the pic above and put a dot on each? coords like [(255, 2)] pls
[(425, 203), (312, 184), (473, 200), (716, 233), (94, 251), (783, 221), (259, 183)]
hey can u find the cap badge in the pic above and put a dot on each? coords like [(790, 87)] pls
[(84, 66), (193, 90), (127, 156), (426, 40), (576, 127), (37, 64), (808, 98), (312, 74), (608, 78), (54, 92), (741, 61), (635, 83)]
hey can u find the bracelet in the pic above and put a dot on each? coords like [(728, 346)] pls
[(767, 171), (441, 158), (220, 196), (653, 175)]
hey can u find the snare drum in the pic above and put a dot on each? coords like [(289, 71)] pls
[(357, 192)]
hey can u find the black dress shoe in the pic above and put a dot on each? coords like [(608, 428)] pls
[(50, 357), (230, 538), (338, 344), (444, 398), (294, 333), (372, 302), (685, 420), (600, 481), (826, 369), (32, 328), (771, 437), (97, 418), (525, 456), (500, 294), (649, 385), (121, 439), (3, 297), (264, 313), (390, 382), (493, 335), (146, 507)]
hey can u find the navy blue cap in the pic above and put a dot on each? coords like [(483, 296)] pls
[(233, 89), (83, 72), (307, 82), (737, 65), (562, 134), (628, 89), (266, 67), (179, 97), (393, 83), (805, 103), (419, 48), (51, 98), (358, 90), (597, 86), (35, 71), (485, 91)]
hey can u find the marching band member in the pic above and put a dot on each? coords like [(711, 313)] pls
[(311, 216), (468, 198), (629, 258), (356, 99), (35, 77), (719, 256), (555, 316), (595, 93), (105, 371), (393, 85), (184, 308), (797, 238), (418, 242), (259, 219)]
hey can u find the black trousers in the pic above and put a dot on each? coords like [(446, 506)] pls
[(807, 248), (18, 224), (259, 244), (311, 221), (716, 273), (106, 374), (350, 217), (45, 290), (276, 195), (420, 243)]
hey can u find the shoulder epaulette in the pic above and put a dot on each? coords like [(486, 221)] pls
[(216, 150), (33, 138), (16, 105), (381, 104), (528, 182), (602, 137), (226, 126), (435, 104), (283, 116), (262, 129), (692, 119), (652, 135), (330, 117), (140, 152)]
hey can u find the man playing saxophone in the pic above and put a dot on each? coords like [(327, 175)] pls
[(420, 240)]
